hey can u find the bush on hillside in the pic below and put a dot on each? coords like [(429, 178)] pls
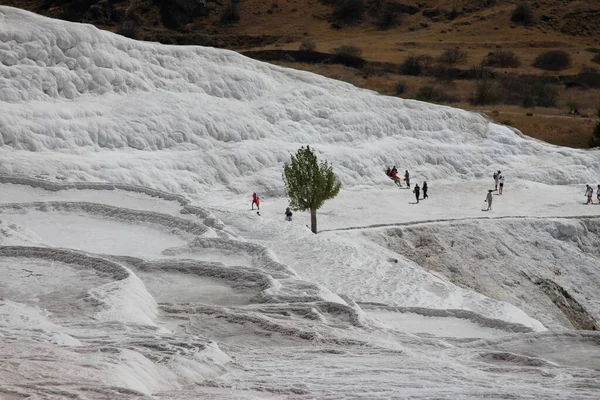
[(452, 56), (400, 88), (369, 70), (595, 139), (416, 65), (349, 11), (486, 92), (230, 13), (479, 72), (589, 77), (388, 17), (307, 45), (129, 29), (348, 55), (502, 59), (348, 51), (444, 73), (542, 95), (528, 91), (522, 14), (434, 95), (455, 11), (553, 60), (71, 14)]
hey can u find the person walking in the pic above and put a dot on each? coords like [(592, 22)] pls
[(395, 178), (489, 199), (500, 184), (407, 178), (288, 214), (255, 200), (496, 179), (589, 192), (417, 192), (424, 188), (598, 194)]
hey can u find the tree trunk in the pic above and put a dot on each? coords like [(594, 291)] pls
[(313, 220)]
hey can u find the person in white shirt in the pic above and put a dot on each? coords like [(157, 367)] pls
[(501, 184)]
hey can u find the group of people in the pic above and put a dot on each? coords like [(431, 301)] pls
[(498, 186), (589, 193), (392, 173), (417, 191), (499, 181)]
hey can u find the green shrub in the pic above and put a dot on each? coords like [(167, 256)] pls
[(544, 95), (369, 70), (589, 77), (478, 72), (416, 65), (595, 139), (72, 14), (434, 95), (486, 92), (400, 88), (347, 50), (349, 11), (502, 59), (129, 29), (388, 17), (444, 74), (348, 55), (452, 56), (230, 13), (522, 14), (553, 60)]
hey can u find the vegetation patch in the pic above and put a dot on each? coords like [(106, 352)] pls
[(502, 59), (523, 14), (387, 17), (452, 57), (553, 60), (416, 65), (434, 94), (486, 92), (230, 13)]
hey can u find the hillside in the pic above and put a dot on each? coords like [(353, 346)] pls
[(133, 266), (538, 102)]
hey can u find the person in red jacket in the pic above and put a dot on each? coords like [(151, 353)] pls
[(255, 200)]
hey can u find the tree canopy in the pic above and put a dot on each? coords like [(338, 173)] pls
[(309, 183)]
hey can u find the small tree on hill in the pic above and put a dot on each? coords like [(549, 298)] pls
[(522, 14), (595, 139), (309, 183)]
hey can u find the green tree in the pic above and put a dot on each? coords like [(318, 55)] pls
[(595, 139), (309, 183)]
